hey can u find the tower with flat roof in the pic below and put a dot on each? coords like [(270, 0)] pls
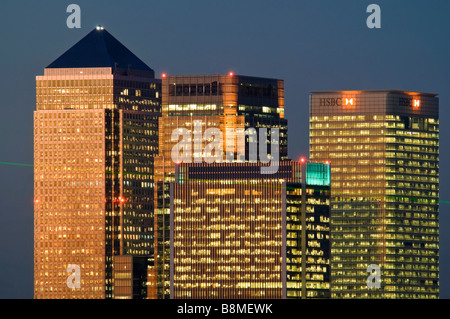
[(196, 103), (240, 234), (384, 152)]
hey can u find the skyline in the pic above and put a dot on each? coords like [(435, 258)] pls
[(17, 154)]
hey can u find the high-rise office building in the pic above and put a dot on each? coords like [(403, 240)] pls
[(384, 152), (95, 135), (237, 233), (196, 103), (308, 244)]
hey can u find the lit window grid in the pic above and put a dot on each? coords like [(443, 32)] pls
[(80, 91), (422, 147), (69, 202), (123, 277), (317, 208), (140, 144), (309, 278), (242, 242)]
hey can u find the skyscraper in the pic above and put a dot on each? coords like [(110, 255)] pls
[(384, 153), (196, 103), (308, 245), (95, 135), (240, 234)]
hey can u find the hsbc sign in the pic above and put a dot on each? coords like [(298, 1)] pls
[(337, 101)]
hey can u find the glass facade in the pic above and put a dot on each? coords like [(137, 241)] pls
[(384, 152), (197, 103), (308, 233), (318, 174), (130, 277), (95, 135), (223, 249), (238, 234)]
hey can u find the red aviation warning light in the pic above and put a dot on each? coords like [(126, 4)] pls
[(120, 200), (302, 160), (231, 74), (164, 75)]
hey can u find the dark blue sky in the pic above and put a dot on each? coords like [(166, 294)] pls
[(312, 45)]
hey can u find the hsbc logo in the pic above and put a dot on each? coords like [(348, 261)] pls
[(415, 103), (337, 101)]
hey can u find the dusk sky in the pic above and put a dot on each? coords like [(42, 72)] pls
[(311, 45)]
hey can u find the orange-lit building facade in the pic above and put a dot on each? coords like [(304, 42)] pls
[(384, 151), (238, 234), (95, 135), (131, 277), (227, 102)]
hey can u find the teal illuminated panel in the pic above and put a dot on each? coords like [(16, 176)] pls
[(318, 174)]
